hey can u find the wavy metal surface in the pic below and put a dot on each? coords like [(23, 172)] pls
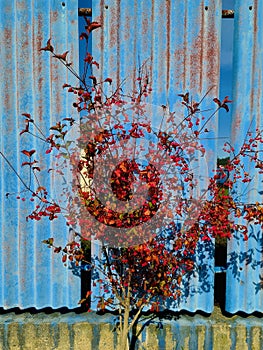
[(244, 275), (180, 43), (31, 82)]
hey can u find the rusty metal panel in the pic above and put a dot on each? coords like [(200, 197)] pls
[(244, 275), (180, 43), (31, 82)]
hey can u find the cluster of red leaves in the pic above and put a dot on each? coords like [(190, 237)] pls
[(45, 210), (121, 183), (220, 215), (154, 269), (89, 27), (71, 252), (123, 176)]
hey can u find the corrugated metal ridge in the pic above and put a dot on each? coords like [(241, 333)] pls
[(244, 275)]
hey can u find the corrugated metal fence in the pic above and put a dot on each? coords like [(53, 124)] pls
[(244, 291), (181, 41), (31, 82)]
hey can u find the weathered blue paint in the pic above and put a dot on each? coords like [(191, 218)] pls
[(31, 82), (244, 290), (179, 42)]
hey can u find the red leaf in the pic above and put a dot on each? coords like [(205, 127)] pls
[(57, 249), (48, 241), (71, 120), (40, 188), (217, 101), (108, 80), (82, 36), (88, 294), (49, 47), (96, 64), (88, 58), (28, 153), (25, 130), (53, 209), (226, 100), (185, 97), (62, 56), (26, 163), (92, 26), (93, 79), (225, 106), (58, 126), (27, 115)]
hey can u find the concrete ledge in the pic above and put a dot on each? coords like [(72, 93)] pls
[(89, 331)]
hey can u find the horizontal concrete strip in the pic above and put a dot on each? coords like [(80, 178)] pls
[(89, 331)]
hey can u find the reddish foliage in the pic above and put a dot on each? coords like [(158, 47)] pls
[(152, 271)]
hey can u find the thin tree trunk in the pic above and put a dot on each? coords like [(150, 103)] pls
[(124, 330)]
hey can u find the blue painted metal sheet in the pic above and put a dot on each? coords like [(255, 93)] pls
[(244, 274), (180, 43), (31, 82)]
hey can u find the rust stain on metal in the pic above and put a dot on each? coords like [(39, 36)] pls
[(38, 66), (57, 76), (179, 59), (127, 30), (100, 42), (212, 55), (185, 47), (145, 25), (114, 41), (201, 49), (205, 54), (7, 43), (56, 100), (168, 57), (190, 64), (7, 100), (118, 43), (254, 54), (161, 63), (201, 58), (54, 15), (236, 127), (114, 27)]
